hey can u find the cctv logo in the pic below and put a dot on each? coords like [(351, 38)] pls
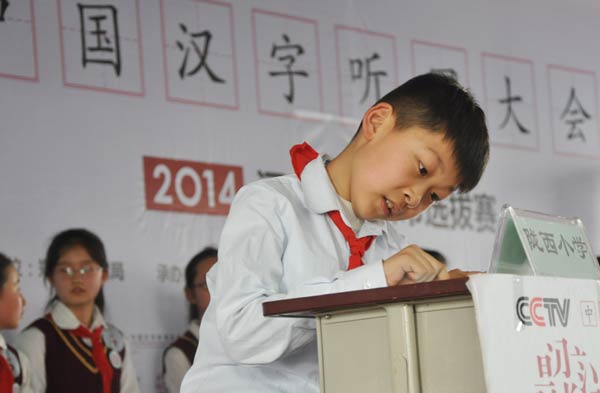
[(543, 311)]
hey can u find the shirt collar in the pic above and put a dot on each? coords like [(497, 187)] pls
[(3, 344), (317, 188), (321, 197), (66, 320), (348, 213)]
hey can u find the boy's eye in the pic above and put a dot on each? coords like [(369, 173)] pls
[(422, 169), (434, 197)]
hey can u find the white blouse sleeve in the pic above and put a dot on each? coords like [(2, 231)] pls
[(176, 365), (33, 344), (129, 382)]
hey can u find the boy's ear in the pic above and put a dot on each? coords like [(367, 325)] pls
[(375, 117)]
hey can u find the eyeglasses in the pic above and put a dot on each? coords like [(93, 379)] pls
[(84, 271)]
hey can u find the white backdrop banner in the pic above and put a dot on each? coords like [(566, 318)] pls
[(139, 120), (538, 334)]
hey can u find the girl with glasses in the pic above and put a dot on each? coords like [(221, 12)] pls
[(72, 348)]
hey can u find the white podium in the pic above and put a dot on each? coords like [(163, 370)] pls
[(419, 338)]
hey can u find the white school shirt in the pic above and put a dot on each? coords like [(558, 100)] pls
[(33, 343), (176, 363), (278, 243), (25, 367)]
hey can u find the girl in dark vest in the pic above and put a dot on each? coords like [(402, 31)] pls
[(179, 355), (72, 348), (14, 366)]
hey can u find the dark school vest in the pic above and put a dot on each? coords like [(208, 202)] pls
[(187, 343), (70, 366)]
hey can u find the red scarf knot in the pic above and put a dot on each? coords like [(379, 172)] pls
[(303, 154), (98, 353)]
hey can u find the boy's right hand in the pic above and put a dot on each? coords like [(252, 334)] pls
[(412, 265)]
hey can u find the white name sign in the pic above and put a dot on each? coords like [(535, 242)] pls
[(538, 334)]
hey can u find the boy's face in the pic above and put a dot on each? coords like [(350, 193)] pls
[(396, 174)]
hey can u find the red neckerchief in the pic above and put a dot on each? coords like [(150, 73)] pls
[(98, 354), (6, 376), (301, 156)]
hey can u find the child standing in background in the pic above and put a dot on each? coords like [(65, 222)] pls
[(72, 348), (179, 355), (14, 366)]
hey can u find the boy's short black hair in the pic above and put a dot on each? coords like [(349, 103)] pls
[(439, 103)]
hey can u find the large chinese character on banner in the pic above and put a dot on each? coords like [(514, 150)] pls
[(101, 45), (18, 45), (574, 111), (440, 58), (510, 102), (199, 53), (288, 73), (366, 68)]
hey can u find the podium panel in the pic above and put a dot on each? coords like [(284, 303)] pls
[(419, 338), (448, 346), (354, 352), (401, 348)]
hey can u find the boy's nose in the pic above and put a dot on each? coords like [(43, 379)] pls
[(413, 198)]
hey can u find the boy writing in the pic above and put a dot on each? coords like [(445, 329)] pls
[(325, 229)]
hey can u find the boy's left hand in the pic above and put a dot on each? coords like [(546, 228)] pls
[(412, 265)]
